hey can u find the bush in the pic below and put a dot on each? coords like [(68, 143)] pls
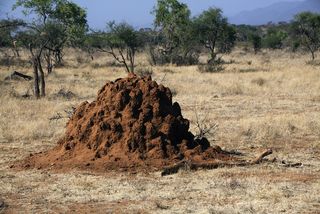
[(158, 58), (211, 68), (275, 39), (144, 71)]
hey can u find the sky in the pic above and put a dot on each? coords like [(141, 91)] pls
[(138, 12)]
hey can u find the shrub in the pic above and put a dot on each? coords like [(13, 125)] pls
[(210, 68), (144, 71)]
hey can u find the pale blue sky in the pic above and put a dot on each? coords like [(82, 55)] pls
[(137, 12)]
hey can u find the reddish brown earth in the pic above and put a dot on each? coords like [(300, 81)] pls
[(132, 124)]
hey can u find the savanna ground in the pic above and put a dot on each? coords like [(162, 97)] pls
[(269, 100)]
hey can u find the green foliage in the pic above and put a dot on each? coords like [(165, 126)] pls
[(122, 36), (59, 21), (245, 32), (25, 37), (256, 42), (275, 39), (8, 29), (306, 31), (214, 32), (74, 20), (176, 41), (173, 18), (121, 41), (43, 8)]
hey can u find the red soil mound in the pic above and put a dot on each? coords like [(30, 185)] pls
[(131, 124)]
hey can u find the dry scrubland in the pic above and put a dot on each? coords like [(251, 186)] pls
[(271, 100)]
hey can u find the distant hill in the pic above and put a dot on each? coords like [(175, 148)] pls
[(282, 11)]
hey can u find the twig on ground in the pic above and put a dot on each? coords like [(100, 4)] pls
[(261, 156), (18, 75)]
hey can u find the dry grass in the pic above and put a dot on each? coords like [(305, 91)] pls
[(259, 101)]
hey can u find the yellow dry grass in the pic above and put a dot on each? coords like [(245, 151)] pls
[(269, 100)]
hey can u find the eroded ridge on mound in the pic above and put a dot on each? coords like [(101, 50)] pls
[(132, 123)]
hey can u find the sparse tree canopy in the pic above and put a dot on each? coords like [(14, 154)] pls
[(7, 29), (176, 43), (245, 32), (306, 27), (121, 41), (172, 18), (63, 18), (214, 32), (58, 23)]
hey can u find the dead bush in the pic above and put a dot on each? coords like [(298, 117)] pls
[(65, 94), (209, 68), (205, 128), (259, 81), (214, 66), (142, 72)]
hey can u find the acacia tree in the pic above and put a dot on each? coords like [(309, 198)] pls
[(214, 32), (120, 41), (306, 27), (176, 41), (72, 22), (58, 23)]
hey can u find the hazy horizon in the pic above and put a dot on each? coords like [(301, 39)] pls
[(138, 13)]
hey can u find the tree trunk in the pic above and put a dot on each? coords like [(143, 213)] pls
[(58, 56), (313, 55), (49, 62), (36, 90), (15, 52), (42, 81), (213, 54), (213, 57), (132, 55)]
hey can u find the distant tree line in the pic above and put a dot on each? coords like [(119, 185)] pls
[(301, 33), (177, 37)]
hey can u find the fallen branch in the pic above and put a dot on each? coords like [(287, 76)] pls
[(18, 75), (263, 155), (189, 165), (290, 164)]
